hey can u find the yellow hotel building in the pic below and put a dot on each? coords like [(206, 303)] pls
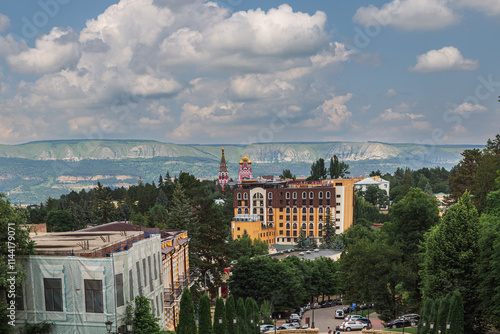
[(275, 211)]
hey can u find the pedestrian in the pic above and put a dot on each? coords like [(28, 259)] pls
[(329, 330)]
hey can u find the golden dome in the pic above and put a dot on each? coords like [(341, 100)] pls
[(245, 159), (241, 161), (249, 161)]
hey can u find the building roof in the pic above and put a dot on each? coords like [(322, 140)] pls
[(120, 226), (79, 242), (367, 181)]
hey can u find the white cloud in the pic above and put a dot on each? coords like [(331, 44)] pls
[(448, 58), (331, 115), (9, 45), (53, 52), (488, 7), (468, 108), (409, 15), (390, 93), (4, 22)]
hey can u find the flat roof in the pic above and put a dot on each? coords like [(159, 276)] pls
[(79, 242)]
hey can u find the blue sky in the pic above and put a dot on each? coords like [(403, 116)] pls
[(240, 71)]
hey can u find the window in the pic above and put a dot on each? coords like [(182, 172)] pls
[(303, 217), (310, 202), (53, 294), (130, 285), (303, 226), (327, 194), (120, 301), (281, 202), (320, 210), (287, 210), (287, 218), (337, 212), (311, 210), (238, 196), (144, 271), (287, 195), (311, 194), (281, 232), (311, 217), (338, 204), (320, 226), (294, 210), (294, 233), (261, 211), (327, 202), (271, 218), (246, 211), (254, 203), (156, 269), (338, 184), (320, 202), (304, 195), (239, 211), (311, 234), (139, 285), (337, 220), (254, 211), (287, 225), (281, 224), (281, 216), (238, 228), (320, 195), (270, 195), (311, 226), (281, 209), (338, 196), (270, 210), (270, 203), (93, 296), (294, 225), (294, 195), (304, 202)]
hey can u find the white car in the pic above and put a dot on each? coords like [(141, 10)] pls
[(339, 314), (352, 325), (352, 317)]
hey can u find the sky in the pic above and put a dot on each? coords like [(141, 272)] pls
[(242, 72)]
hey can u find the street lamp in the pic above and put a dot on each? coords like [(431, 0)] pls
[(108, 325), (129, 327), (448, 325), (432, 325)]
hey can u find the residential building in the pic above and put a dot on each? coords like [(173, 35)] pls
[(80, 280), (373, 181)]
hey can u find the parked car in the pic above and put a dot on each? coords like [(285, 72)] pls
[(294, 316), (339, 314), (401, 322), (287, 326), (352, 325), (266, 328), (411, 316), (366, 321), (352, 317)]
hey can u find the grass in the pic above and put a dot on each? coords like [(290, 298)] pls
[(411, 330)]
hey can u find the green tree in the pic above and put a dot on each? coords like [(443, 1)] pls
[(434, 315), (187, 324), (12, 233), (302, 240), (338, 169), (161, 199), (265, 312), (328, 230), (230, 315), (205, 317), (38, 328), (456, 314), (425, 317), (59, 220), (287, 174), (219, 326), (450, 259), (144, 320), (318, 170), (241, 313), (444, 308), (103, 208)]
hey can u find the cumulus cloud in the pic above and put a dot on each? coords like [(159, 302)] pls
[(448, 58), (488, 7), (468, 109), (52, 52), (409, 15), (4, 22), (332, 114), (390, 93), (9, 46)]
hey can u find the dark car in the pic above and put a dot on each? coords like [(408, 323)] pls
[(401, 322)]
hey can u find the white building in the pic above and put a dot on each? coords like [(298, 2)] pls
[(80, 280), (379, 182)]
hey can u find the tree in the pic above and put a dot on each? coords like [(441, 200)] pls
[(287, 174), (104, 210), (12, 233), (328, 230), (450, 259), (338, 169), (456, 314), (302, 240), (187, 324), (241, 313), (425, 317), (376, 196), (253, 315), (38, 328), (219, 327), (205, 317), (265, 312), (230, 315), (59, 220), (161, 199), (144, 320), (318, 170)]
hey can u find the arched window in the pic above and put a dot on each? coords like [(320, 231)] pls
[(320, 226), (270, 224), (295, 225), (294, 195), (270, 195), (320, 195), (327, 194), (304, 210), (304, 195), (239, 196), (239, 211), (287, 195), (287, 225), (261, 211), (311, 210), (245, 196), (287, 210), (254, 211), (294, 210), (311, 226), (311, 194), (320, 210), (304, 226), (270, 210), (246, 211)]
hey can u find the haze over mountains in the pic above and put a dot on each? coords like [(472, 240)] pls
[(31, 172)]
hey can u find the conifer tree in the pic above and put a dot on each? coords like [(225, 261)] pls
[(144, 320), (205, 317), (425, 317), (187, 324), (456, 314), (444, 307), (265, 312), (241, 314), (433, 316), (230, 315), (328, 230), (220, 326), (253, 315), (161, 199), (104, 210)]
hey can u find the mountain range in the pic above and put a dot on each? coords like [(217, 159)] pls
[(31, 172)]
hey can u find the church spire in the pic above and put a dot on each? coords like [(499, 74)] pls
[(223, 173)]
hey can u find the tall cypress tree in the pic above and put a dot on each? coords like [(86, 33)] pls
[(456, 314), (205, 317), (444, 308), (328, 230), (219, 327), (241, 313), (187, 323), (230, 315), (253, 314), (425, 317), (433, 316)]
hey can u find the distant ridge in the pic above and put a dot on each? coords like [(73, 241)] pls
[(33, 171)]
